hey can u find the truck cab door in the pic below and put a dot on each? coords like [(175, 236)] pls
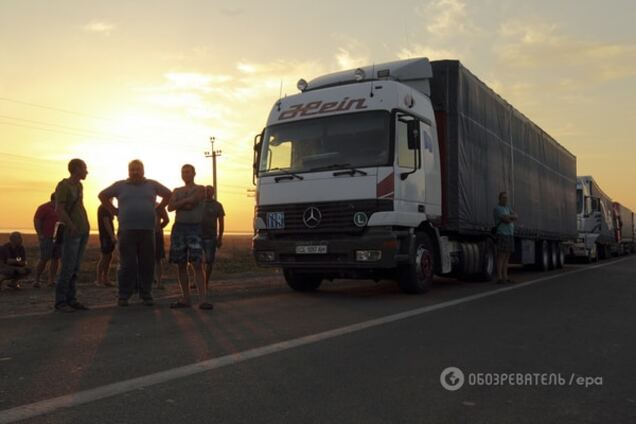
[(413, 158)]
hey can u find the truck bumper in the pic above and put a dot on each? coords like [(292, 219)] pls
[(578, 250), (369, 250)]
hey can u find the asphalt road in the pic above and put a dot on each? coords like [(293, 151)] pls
[(334, 356)]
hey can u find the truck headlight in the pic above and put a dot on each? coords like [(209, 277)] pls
[(265, 256), (368, 255)]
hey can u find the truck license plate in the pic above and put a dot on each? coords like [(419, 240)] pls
[(311, 250)]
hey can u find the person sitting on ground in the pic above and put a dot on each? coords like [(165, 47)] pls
[(44, 222), (13, 262), (107, 242)]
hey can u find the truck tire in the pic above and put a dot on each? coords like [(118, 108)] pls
[(560, 256), (302, 282), (600, 252), (487, 261), (554, 260), (417, 278), (542, 261)]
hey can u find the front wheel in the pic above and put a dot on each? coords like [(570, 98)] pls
[(302, 282), (417, 277)]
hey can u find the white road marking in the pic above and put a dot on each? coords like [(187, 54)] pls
[(85, 396)]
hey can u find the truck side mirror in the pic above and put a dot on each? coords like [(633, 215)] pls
[(413, 128), (258, 143), (587, 211)]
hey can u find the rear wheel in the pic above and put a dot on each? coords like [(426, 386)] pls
[(560, 256), (302, 282), (417, 277), (543, 256), (487, 261), (554, 260)]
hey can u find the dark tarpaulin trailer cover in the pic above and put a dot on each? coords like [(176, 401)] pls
[(487, 147)]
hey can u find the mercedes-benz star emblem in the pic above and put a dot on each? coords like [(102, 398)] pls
[(312, 217)]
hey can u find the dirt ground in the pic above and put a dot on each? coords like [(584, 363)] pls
[(235, 270)]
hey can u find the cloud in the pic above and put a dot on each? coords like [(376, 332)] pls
[(348, 60), (231, 11), (431, 53), (535, 45), (447, 18), (99, 27)]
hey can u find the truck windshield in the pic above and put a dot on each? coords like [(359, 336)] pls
[(344, 141), (579, 201)]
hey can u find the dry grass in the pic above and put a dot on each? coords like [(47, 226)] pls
[(233, 259)]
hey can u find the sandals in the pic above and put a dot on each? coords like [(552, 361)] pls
[(179, 305), (206, 306)]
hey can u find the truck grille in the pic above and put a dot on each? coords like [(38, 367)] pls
[(336, 217)]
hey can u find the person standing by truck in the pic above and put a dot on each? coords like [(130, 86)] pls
[(212, 234), (186, 237), (69, 200), (107, 243), (504, 231), (44, 222), (161, 221), (136, 198)]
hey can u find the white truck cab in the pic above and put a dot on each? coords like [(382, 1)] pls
[(342, 167), (595, 222)]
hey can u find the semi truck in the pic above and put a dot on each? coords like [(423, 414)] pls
[(595, 222), (624, 228), (392, 171)]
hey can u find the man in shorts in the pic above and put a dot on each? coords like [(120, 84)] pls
[(186, 237), (13, 263), (504, 231), (107, 243), (44, 222), (212, 234)]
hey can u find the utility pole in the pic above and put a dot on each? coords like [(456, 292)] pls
[(213, 154)]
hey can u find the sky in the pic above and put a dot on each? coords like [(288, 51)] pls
[(113, 81)]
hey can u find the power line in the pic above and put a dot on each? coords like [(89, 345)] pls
[(78, 132), (71, 112)]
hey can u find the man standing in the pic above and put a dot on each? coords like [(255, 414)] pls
[(69, 205), (212, 212), (162, 220), (186, 237), (504, 231), (136, 199), (44, 222), (107, 242), (13, 263)]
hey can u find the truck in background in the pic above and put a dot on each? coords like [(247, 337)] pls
[(393, 171), (595, 223), (624, 228)]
